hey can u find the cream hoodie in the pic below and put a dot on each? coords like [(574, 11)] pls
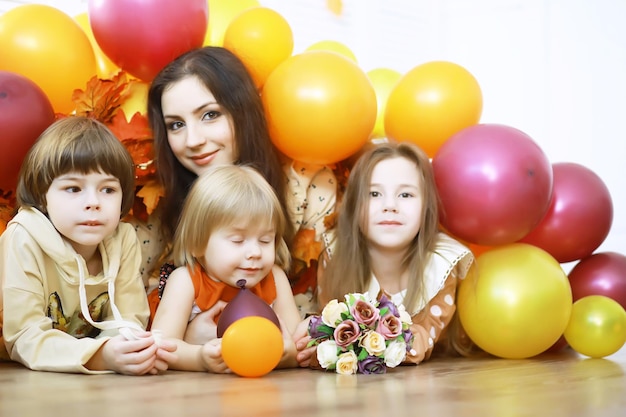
[(56, 315)]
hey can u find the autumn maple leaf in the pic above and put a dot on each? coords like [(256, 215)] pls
[(7, 209), (101, 98), (151, 192), (305, 247)]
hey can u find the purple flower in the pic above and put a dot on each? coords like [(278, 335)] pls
[(364, 313), (408, 339), (346, 333), (386, 302), (372, 365), (314, 324)]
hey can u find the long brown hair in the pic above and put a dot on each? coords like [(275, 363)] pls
[(227, 78), (350, 269)]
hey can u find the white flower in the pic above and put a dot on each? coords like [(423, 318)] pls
[(395, 353), (331, 314), (405, 317), (359, 296), (327, 353), (347, 363), (373, 342)]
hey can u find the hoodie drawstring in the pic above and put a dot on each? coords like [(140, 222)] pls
[(125, 327)]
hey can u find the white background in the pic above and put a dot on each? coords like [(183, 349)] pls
[(555, 69)]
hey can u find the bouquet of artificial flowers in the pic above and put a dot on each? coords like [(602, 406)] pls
[(360, 335)]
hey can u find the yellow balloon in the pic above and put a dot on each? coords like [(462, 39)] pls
[(333, 46), (136, 99), (262, 39), (47, 46), (106, 69), (597, 326), (221, 13), (516, 303), (383, 80), (432, 102)]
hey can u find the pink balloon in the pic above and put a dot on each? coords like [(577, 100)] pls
[(579, 217), (602, 273), (142, 36), (494, 183)]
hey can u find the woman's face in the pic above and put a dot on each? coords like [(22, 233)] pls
[(199, 132)]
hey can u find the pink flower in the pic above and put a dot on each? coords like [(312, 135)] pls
[(389, 326), (364, 313), (346, 333)]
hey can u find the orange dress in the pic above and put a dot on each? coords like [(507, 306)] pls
[(207, 291)]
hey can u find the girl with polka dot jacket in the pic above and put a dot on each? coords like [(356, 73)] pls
[(388, 241)]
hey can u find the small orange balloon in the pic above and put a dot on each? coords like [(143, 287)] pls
[(383, 80), (252, 346), (262, 39), (47, 46), (321, 107), (432, 102)]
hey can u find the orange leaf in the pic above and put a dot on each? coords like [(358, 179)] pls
[(137, 128), (101, 98), (305, 247), (151, 192), (7, 209)]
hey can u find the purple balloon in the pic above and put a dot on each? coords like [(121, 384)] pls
[(245, 304)]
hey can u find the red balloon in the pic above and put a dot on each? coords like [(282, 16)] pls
[(602, 273), (494, 183), (142, 36), (579, 217), (25, 112)]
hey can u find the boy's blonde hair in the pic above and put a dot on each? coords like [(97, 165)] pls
[(78, 144), (221, 197)]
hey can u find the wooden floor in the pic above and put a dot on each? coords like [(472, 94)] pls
[(554, 385)]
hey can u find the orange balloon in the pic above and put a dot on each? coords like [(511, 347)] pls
[(383, 80), (432, 102), (252, 346), (321, 107), (48, 47), (333, 46), (106, 69), (221, 13), (262, 39)]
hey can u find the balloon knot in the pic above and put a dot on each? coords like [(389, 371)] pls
[(241, 283)]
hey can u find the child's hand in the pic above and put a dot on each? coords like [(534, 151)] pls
[(306, 356), (211, 356), (203, 327), (164, 353), (129, 357)]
